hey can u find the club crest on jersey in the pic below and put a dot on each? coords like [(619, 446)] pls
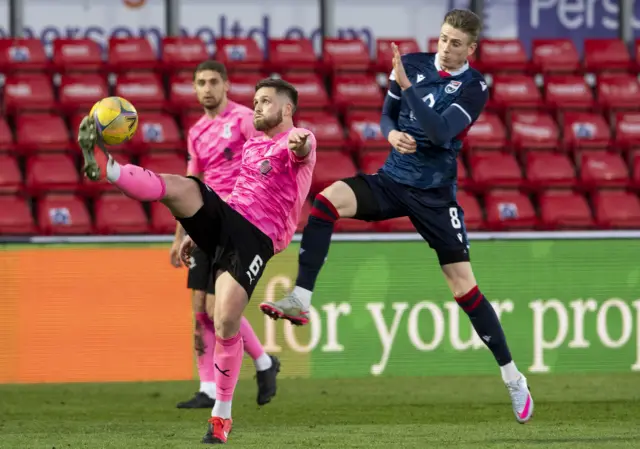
[(265, 167), (452, 86), (226, 132)]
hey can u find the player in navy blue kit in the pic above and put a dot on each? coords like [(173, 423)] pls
[(432, 101)]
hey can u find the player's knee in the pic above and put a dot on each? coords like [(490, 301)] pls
[(459, 276), (341, 197), (182, 195), (226, 324)]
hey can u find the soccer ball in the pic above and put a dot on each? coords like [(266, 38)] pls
[(116, 120)]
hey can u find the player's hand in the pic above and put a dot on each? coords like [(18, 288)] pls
[(398, 68), (402, 142), (175, 254), (186, 247), (297, 139)]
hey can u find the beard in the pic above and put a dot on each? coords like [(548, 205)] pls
[(267, 123), (211, 104)]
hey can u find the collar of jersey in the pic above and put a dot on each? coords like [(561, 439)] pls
[(461, 70)]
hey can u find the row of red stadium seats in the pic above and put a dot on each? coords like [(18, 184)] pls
[(114, 213), (486, 170), (147, 91), (523, 130), (179, 53)]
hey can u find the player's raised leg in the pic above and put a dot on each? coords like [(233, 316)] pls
[(180, 194), (336, 201)]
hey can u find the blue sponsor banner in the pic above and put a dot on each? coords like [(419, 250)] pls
[(575, 19)]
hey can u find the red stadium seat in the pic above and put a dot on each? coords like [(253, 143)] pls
[(509, 209), (602, 55), (304, 216), (182, 53), (311, 91), (568, 92), (503, 55), (286, 55), (487, 132), (384, 53), (189, 119), (79, 55), (616, 209), (41, 132), (326, 127), (243, 89), (171, 163), (515, 91), (144, 90), (399, 224), (627, 130), (495, 169), (463, 175), (546, 169), (356, 92), (22, 55), (61, 214), (618, 91), (352, 225), (564, 209), (364, 132), (6, 136), (345, 55), (533, 130), (162, 221), (331, 166), (239, 53), (473, 219), (81, 91), (555, 55), (602, 169), (370, 163), (585, 130), (28, 92), (118, 214), (182, 95), (10, 177), (16, 218), (128, 54), (635, 167), (156, 132), (51, 172)]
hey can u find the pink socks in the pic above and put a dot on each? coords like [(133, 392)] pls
[(136, 182)]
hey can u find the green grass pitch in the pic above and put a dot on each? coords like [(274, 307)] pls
[(579, 411)]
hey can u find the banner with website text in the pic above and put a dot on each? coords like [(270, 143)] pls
[(114, 312)]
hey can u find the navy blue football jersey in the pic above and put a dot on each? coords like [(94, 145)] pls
[(458, 99)]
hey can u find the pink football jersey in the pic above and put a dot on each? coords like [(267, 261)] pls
[(215, 146), (273, 185)]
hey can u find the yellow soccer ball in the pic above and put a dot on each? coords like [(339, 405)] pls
[(116, 120)]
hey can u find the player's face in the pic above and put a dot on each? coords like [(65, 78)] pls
[(454, 47), (269, 108), (211, 89)]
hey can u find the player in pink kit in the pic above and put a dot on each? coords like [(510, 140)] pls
[(257, 221), (215, 155)]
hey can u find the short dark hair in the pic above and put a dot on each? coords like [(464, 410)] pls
[(281, 87), (466, 21), (215, 66)]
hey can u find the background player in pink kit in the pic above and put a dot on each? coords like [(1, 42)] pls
[(215, 154), (257, 221)]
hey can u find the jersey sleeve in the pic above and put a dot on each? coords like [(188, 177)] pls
[(310, 155), (472, 99), (247, 129), (193, 165)]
